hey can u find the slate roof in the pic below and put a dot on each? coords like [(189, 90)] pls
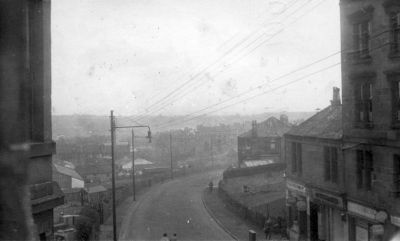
[(326, 124), (94, 189), (270, 127), (67, 171), (94, 169), (127, 160)]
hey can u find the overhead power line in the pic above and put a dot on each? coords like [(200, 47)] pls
[(231, 49), (200, 73), (255, 96), (260, 94)]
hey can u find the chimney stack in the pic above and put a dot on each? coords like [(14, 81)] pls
[(254, 128), (284, 118), (336, 97)]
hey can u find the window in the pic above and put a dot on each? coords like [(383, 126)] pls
[(361, 39), (364, 95), (395, 29), (331, 164), (272, 146), (396, 102), (396, 175), (294, 162), (296, 158), (364, 169)]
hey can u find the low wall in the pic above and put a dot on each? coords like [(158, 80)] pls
[(250, 171), (255, 215), (254, 193)]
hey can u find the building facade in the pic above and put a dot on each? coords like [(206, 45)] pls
[(263, 142), (315, 195), (370, 39), (67, 178), (26, 145)]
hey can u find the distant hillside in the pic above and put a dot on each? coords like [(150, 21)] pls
[(88, 125)]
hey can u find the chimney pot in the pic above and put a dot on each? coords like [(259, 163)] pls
[(336, 97), (254, 128)]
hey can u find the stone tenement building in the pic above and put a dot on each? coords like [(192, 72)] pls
[(370, 39), (27, 192)]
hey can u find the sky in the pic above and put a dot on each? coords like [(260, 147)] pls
[(177, 57)]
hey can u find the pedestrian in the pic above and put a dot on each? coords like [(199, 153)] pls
[(267, 228), (174, 238), (164, 237)]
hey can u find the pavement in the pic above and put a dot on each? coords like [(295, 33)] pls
[(175, 206), (237, 228), (106, 229)]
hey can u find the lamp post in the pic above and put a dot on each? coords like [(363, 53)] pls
[(113, 129), (133, 157), (133, 166)]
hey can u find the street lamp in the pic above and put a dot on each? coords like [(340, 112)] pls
[(133, 157), (113, 128)]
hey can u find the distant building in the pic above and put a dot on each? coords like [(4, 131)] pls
[(126, 163), (95, 173), (96, 194), (67, 178), (315, 177), (263, 143)]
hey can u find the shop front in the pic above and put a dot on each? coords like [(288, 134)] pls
[(365, 223), (297, 206), (327, 216), (392, 230)]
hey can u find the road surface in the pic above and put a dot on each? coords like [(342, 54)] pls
[(173, 207)]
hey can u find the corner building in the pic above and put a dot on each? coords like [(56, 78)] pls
[(315, 196), (370, 42)]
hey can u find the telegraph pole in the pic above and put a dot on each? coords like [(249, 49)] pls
[(211, 152), (113, 129), (170, 150), (133, 166), (112, 123)]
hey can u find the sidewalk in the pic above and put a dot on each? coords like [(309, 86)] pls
[(106, 229), (229, 221)]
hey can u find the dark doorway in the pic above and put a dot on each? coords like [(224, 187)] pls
[(314, 221), (42, 236)]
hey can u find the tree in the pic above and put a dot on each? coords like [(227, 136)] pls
[(83, 227), (88, 221)]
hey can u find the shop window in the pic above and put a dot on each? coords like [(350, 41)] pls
[(297, 158), (364, 169), (364, 96)]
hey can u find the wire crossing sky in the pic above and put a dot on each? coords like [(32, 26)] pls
[(125, 55)]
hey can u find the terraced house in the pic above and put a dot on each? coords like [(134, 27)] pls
[(315, 196)]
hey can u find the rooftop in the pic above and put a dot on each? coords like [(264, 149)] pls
[(95, 189), (326, 124), (67, 171), (270, 127)]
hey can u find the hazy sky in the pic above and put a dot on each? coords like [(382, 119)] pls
[(127, 54)]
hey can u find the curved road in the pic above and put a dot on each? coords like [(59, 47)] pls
[(173, 207)]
